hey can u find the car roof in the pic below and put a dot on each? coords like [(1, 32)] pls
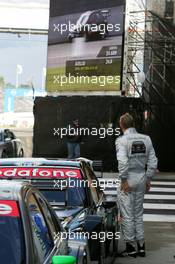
[(3, 129), (40, 162), (9, 190)]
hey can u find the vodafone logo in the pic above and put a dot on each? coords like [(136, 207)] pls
[(5, 209), (40, 172), (9, 208)]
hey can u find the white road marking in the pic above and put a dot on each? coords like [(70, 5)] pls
[(163, 183), (161, 189), (159, 197), (158, 218), (159, 206)]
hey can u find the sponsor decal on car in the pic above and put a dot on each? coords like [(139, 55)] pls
[(9, 208), (46, 173)]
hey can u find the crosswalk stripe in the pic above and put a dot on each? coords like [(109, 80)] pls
[(158, 218), (163, 183), (155, 189), (154, 196), (159, 206)]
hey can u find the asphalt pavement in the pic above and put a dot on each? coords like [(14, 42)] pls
[(160, 244)]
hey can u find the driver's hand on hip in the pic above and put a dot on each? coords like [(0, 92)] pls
[(125, 186)]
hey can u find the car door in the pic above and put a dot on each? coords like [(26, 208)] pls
[(54, 225), (43, 240), (9, 143), (2, 144), (94, 187), (16, 143)]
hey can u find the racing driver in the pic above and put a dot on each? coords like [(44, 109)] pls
[(137, 164)]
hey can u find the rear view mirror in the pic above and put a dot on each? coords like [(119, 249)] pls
[(108, 204), (7, 139), (63, 260)]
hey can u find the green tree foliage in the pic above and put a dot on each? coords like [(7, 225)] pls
[(2, 82)]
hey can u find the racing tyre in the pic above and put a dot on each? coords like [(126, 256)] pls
[(70, 39), (4, 155), (114, 242), (101, 259), (87, 36), (85, 260), (21, 153)]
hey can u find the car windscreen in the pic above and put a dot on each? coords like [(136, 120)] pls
[(73, 194), (82, 20), (12, 246)]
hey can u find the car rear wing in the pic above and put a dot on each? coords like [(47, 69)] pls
[(96, 165)]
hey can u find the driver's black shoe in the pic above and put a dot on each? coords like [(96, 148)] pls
[(130, 251), (141, 250)]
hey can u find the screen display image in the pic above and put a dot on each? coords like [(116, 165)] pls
[(85, 45)]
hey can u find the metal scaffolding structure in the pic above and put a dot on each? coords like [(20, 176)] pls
[(133, 48), (149, 58), (149, 42)]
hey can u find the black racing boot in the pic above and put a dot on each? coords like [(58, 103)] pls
[(130, 251), (141, 249)]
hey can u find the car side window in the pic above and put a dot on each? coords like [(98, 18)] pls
[(94, 177), (50, 218), (5, 134), (8, 134), (92, 184), (92, 18), (12, 136), (40, 231)]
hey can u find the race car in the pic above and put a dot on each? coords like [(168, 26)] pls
[(10, 145), (74, 192), (91, 24), (30, 232)]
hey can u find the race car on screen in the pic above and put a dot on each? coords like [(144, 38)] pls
[(91, 25), (73, 190), (30, 232)]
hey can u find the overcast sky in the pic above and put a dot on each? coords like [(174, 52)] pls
[(31, 53), (24, 13), (24, 1)]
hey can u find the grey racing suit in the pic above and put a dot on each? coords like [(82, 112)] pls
[(136, 163)]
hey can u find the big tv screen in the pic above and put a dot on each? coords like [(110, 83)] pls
[(85, 45)]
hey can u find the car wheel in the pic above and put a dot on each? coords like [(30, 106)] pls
[(21, 153), (87, 36), (70, 39), (103, 36), (85, 260), (101, 259), (114, 242), (4, 155)]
